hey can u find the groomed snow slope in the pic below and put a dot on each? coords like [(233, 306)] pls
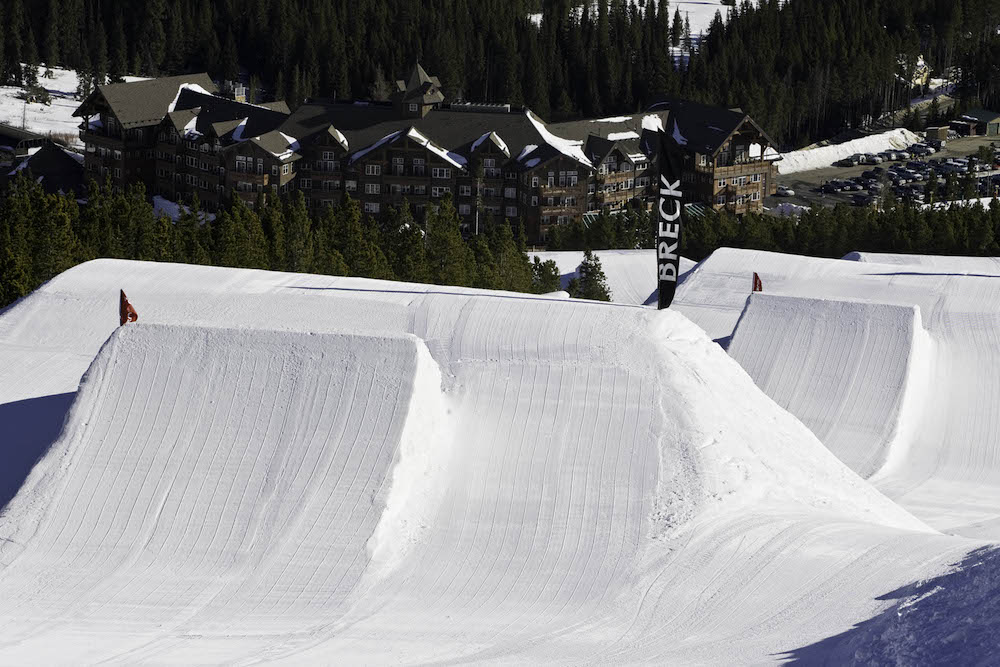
[(631, 274), (950, 475), (273, 467), (855, 373)]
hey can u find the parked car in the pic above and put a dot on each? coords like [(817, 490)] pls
[(785, 191)]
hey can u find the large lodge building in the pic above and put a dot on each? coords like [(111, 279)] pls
[(182, 139)]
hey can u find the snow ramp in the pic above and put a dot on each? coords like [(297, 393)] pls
[(950, 475), (855, 373), (210, 474), (581, 482)]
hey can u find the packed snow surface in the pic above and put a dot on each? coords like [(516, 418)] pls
[(949, 474), (824, 156), (305, 469), (631, 274)]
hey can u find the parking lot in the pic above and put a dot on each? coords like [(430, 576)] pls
[(807, 184)]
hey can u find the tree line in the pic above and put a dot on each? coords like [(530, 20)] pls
[(43, 234), (804, 69)]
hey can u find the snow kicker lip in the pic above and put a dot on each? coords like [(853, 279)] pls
[(854, 372)]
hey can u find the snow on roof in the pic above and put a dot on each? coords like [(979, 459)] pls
[(240, 129), (526, 151), (193, 87), (381, 142), (637, 157), (622, 136), (453, 158), (499, 140), (678, 137), (189, 129), (612, 119), (652, 122), (293, 143), (533, 162), (570, 148), (340, 136)]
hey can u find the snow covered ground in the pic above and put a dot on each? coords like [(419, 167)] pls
[(631, 274), (56, 118), (824, 156), (291, 468)]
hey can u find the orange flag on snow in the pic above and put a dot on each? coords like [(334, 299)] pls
[(758, 286), (125, 310)]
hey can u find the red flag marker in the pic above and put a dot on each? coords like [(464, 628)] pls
[(125, 310), (758, 286)]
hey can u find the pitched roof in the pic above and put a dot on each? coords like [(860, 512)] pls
[(143, 103), (630, 134), (13, 136), (420, 86), (704, 128), (454, 130), (55, 169), (982, 115), (199, 113)]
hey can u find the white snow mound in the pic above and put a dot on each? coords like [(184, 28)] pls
[(825, 156)]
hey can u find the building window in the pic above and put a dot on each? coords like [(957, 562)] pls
[(441, 172), (274, 170), (755, 178), (721, 199), (327, 155), (510, 193), (117, 155), (204, 166), (464, 209), (551, 181), (372, 207), (305, 184), (286, 169), (755, 196), (722, 182), (350, 186), (465, 190), (373, 170), (534, 201), (440, 191), (420, 190), (203, 184), (192, 161), (511, 212), (413, 108), (373, 189), (702, 160), (570, 201)]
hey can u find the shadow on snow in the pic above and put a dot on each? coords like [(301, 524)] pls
[(28, 427)]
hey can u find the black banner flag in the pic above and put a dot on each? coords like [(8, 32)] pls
[(669, 211)]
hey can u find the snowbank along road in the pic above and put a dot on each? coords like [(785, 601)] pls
[(290, 468)]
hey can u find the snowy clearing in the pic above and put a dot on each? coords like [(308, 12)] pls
[(56, 118)]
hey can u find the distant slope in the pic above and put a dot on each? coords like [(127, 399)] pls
[(297, 468)]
